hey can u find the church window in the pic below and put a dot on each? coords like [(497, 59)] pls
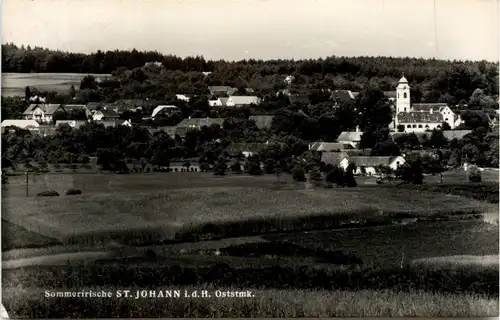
[(405, 109), (414, 126), (408, 126), (404, 95), (398, 95), (420, 126)]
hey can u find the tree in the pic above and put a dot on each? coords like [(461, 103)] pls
[(336, 176), (220, 167), (438, 140), (299, 174), (445, 126), (315, 174), (252, 165), (236, 167), (473, 174), (88, 82), (72, 92), (433, 165), (349, 180), (27, 93)]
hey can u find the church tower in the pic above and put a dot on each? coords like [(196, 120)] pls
[(402, 96)]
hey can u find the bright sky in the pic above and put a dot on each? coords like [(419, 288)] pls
[(238, 29)]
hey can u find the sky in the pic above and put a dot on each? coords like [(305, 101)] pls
[(260, 29)]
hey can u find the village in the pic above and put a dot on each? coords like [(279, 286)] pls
[(419, 119)]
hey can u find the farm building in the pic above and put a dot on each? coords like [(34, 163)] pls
[(341, 96), (42, 113), (105, 115), (221, 90), (23, 124), (335, 158), (215, 103), (75, 107), (170, 130), (370, 164), (350, 137), (184, 166), (182, 97)]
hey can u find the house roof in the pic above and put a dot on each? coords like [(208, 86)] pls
[(48, 109), (422, 136), (262, 122), (333, 158), (240, 100), (455, 134), (170, 130), (71, 107), (420, 117), (219, 89), (20, 123), (249, 90), (426, 107), (109, 113), (342, 95), (299, 99), (352, 136), (246, 147), (160, 108), (371, 161), (329, 146), (199, 122), (223, 100)]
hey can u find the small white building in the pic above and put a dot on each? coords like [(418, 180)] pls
[(215, 103), (350, 137), (371, 164), (182, 97), (242, 101)]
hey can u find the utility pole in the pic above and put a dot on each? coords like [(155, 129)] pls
[(26, 174)]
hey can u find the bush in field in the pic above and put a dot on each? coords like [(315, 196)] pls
[(315, 174), (252, 167), (48, 193), (71, 192), (473, 174), (336, 176), (220, 167), (349, 180), (204, 167), (299, 174), (236, 167), (4, 178)]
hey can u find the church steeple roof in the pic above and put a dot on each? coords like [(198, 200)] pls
[(403, 79)]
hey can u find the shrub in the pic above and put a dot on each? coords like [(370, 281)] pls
[(473, 174), (204, 167), (335, 175), (4, 178), (48, 193), (148, 169), (236, 167), (299, 174), (176, 169), (315, 174), (71, 192)]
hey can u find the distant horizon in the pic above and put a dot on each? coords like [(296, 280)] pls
[(235, 30), (264, 60)]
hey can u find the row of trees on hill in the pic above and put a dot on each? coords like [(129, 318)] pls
[(432, 80)]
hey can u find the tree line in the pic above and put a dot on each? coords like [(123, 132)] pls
[(432, 80)]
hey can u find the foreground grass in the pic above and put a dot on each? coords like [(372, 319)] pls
[(217, 212), (30, 303)]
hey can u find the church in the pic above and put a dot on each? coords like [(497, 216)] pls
[(419, 117)]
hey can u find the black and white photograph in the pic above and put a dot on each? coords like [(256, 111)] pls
[(249, 158)]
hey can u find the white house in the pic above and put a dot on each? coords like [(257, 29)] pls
[(215, 103), (242, 100), (42, 113), (370, 164)]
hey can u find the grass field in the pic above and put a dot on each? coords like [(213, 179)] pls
[(266, 303), (150, 209), (446, 266), (13, 84)]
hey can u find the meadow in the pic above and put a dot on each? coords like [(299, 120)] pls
[(364, 251), (14, 84)]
